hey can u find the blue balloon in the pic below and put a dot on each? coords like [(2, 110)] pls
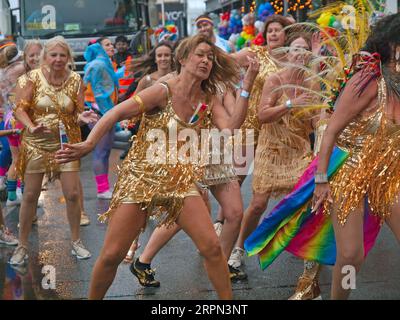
[(261, 8), (268, 6)]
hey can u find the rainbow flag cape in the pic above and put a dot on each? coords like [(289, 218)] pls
[(292, 227)]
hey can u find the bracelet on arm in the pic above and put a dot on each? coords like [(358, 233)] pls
[(321, 178), (245, 94), (288, 104), (140, 103)]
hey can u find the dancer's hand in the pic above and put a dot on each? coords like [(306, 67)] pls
[(322, 192), (88, 117), (303, 99), (72, 152), (316, 44), (252, 71), (41, 128)]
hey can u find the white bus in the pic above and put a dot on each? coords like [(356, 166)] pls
[(80, 21)]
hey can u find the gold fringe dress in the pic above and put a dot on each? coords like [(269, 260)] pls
[(222, 172), (150, 175), (282, 154), (373, 167), (250, 128), (48, 105)]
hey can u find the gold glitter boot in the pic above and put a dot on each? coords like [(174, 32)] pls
[(307, 286)]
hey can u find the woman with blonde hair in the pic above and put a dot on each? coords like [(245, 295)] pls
[(145, 184), (31, 57), (49, 103), (32, 52), (156, 65)]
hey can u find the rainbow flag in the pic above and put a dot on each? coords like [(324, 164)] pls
[(198, 113), (292, 227)]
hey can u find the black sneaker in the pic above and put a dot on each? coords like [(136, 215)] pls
[(145, 277), (236, 274)]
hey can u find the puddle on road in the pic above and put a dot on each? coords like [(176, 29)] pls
[(22, 282)]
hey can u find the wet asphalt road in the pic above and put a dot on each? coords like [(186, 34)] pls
[(178, 266)]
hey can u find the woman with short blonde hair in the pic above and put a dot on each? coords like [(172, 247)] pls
[(49, 103)]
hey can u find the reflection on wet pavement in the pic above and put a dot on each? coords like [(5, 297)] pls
[(50, 245), (47, 248)]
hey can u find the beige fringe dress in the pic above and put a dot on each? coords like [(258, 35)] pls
[(283, 153)]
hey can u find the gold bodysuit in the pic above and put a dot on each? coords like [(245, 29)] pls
[(48, 105), (373, 166), (267, 67), (282, 154), (159, 186)]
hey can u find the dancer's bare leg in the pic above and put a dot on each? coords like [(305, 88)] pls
[(197, 223), (349, 250), (158, 239), (33, 187), (230, 199), (124, 226), (70, 186), (162, 235), (252, 215)]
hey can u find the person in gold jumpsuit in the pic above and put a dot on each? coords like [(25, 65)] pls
[(366, 123), (46, 99), (152, 179)]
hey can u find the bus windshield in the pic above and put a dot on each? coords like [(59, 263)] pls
[(77, 17)]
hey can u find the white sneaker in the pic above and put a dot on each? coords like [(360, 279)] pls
[(79, 250), (236, 258), (3, 183), (7, 238), (218, 228), (13, 203), (19, 256), (105, 195)]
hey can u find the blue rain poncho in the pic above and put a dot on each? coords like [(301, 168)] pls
[(99, 72)]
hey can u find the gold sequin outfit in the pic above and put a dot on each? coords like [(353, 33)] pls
[(267, 67), (282, 154), (217, 174), (373, 166), (48, 106), (160, 188), (222, 172)]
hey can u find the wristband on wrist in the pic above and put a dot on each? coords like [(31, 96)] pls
[(244, 94), (288, 104), (320, 178)]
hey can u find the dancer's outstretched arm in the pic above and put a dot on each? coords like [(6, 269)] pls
[(148, 99)]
